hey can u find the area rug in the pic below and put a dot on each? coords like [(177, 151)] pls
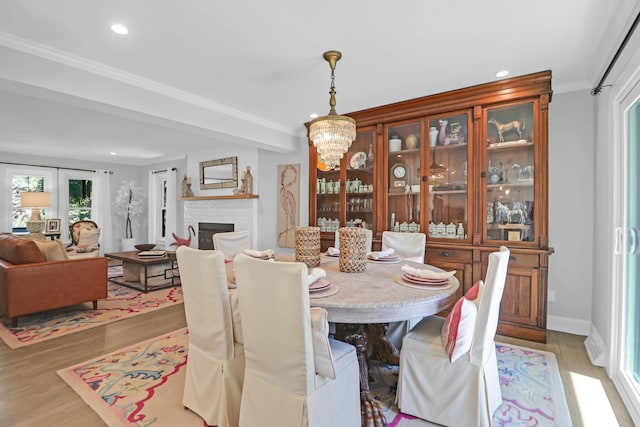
[(121, 303), (142, 385)]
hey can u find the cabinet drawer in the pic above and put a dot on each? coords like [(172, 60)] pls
[(517, 260), (448, 255)]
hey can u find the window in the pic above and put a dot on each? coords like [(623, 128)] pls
[(19, 184), (79, 199), (163, 208)]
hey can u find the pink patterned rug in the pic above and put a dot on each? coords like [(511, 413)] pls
[(121, 303), (142, 385)]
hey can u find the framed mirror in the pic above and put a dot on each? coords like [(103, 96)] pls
[(219, 173)]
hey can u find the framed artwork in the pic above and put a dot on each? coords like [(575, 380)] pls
[(52, 226), (288, 204)]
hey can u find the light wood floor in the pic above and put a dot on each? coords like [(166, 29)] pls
[(32, 394)]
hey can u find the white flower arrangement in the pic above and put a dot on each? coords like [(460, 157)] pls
[(128, 206)]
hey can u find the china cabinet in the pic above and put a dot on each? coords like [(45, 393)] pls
[(466, 167)]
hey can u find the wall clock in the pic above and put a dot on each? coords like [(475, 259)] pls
[(397, 175)]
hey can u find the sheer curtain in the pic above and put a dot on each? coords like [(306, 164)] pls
[(101, 212), (172, 203)]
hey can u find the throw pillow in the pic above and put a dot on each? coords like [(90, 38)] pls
[(89, 237), (458, 328), (322, 355), (52, 250)]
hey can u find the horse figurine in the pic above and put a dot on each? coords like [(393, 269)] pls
[(517, 125)]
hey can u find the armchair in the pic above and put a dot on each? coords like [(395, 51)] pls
[(85, 235)]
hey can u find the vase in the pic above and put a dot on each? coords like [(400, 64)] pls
[(395, 144), (411, 141), (127, 244), (433, 136)]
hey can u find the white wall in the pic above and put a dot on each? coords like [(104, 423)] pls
[(571, 216)]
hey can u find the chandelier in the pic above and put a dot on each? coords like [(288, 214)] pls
[(332, 134)]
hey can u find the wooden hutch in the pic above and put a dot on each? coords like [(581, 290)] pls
[(469, 168)]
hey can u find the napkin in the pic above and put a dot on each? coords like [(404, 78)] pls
[(315, 274), (269, 253), (333, 251), (427, 274), (382, 254)]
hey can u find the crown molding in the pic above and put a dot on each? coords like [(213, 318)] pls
[(49, 53)]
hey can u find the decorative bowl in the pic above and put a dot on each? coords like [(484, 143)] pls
[(145, 246)]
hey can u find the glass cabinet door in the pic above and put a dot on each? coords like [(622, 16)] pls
[(447, 176), (404, 142), (327, 197), (359, 182), (510, 173)]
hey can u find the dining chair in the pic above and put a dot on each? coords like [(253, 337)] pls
[(215, 366), (465, 392), (367, 243), (295, 374), (231, 243), (408, 246)]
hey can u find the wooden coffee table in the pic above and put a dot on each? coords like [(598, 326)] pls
[(146, 273)]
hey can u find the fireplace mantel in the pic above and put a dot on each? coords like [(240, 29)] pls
[(227, 197)]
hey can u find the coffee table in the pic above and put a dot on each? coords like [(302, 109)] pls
[(146, 273)]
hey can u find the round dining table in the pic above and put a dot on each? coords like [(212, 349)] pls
[(362, 304)]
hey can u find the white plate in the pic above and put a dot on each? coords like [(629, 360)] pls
[(404, 282), (358, 160)]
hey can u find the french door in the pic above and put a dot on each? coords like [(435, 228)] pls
[(626, 339)]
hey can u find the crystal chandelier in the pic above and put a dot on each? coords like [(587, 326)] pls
[(332, 134)]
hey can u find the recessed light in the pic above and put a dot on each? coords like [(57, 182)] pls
[(119, 29), (503, 73), (113, 153), (313, 115)]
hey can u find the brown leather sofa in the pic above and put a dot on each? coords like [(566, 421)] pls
[(29, 284)]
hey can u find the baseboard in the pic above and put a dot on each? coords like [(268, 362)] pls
[(569, 325), (595, 348)]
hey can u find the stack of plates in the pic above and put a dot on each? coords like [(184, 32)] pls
[(388, 258), (422, 281), (266, 257), (332, 255), (319, 285)]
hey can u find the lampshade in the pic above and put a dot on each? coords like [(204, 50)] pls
[(35, 199), (332, 134)]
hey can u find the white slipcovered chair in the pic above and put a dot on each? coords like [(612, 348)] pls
[(367, 243), (295, 374), (410, 247), (467, 391), (215, 366), (231, 243)]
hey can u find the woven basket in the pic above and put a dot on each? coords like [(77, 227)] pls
[(308, 245), (353, 252)]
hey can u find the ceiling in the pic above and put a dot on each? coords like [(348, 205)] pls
[(193, 74)]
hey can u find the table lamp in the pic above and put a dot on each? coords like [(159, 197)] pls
[(35, 200)]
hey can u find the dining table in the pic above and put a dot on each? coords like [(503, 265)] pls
[(362, 304)]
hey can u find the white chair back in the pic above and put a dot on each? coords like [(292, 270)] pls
[(206, 300), (409, 246), (489, 309), (288, 351), (215, 368), (367, 243), (231, 243)]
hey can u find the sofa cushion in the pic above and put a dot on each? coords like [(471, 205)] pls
[(52, 250), (17, 250)]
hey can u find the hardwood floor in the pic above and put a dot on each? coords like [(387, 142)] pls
[(32, 394)]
